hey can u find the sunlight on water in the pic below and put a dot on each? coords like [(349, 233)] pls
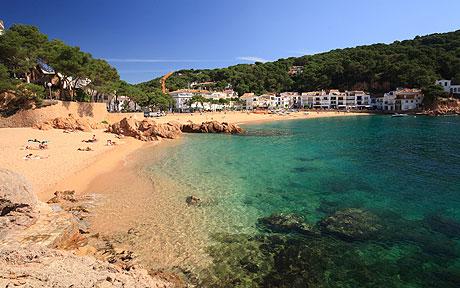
[(404, 171)]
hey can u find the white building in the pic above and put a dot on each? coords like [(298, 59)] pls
[(400, 100), (182, 98), (312, 99), (251, 100), (2, 27), (334, 99), (122, 103), (294, 99), (357, 100), (448, 87)]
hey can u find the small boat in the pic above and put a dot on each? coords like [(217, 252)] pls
[(399, 115)]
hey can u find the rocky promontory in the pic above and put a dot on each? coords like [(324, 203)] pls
[(149, 130), (45, 245)]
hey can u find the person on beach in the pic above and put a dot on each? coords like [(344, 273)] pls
[(92, 140), (34, 157), (85, 149), (111, 143)]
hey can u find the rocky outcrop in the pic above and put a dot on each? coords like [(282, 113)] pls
[(31, 232), (145, 130), (38, 266), (212, 127), (444, 106), (70, 123), (149, 130), (351, 224), (287, 223), (17, 201)]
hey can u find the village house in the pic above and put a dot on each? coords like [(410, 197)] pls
[(294, 99), (403, 99), (334, 99), (250, 101), (312, 99), (182, 98), (122, 104), (267, 101), (448, 87), (357, 100)]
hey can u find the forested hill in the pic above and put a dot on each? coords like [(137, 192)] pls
[(376, 68)]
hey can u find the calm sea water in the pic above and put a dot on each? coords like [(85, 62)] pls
[(406, 171)]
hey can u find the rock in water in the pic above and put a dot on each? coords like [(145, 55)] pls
[(286, 223), (352, 224), (212, 127), (193, 200), (17, 200)]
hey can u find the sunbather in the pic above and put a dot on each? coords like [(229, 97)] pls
[(34, 157), (92, 140), (85, 149)]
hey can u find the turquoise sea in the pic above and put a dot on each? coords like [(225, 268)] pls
[(401, 176)]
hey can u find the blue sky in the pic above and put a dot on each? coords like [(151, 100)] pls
[(144, 39)]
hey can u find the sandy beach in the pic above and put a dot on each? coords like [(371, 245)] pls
[(67, 168), (64, 166), (248, 117)]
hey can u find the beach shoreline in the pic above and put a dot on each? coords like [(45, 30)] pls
[(65, 168), (114, 174)]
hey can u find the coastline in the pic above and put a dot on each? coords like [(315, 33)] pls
[(69, 169), (114, 173)]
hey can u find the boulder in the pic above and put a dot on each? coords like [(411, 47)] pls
[(212, 127), (60, 196), (17, 200), (71, 123), (352, 224), (193, 200), (145, 130), (286, 223)]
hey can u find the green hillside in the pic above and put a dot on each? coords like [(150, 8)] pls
[(376, 68)]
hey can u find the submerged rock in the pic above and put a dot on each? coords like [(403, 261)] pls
[(193, 200), (287, 223), (444, 225), (351, 224)]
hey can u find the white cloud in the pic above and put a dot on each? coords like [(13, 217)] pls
[(141, 71), (252, 59), (138, 60)]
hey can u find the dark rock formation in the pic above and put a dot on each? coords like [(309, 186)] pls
[(444, 225), (193, 200), (287, 223), (212, 127), (352, 224)]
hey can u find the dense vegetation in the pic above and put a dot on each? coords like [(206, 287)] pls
[(22, 47), (375, 68)]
